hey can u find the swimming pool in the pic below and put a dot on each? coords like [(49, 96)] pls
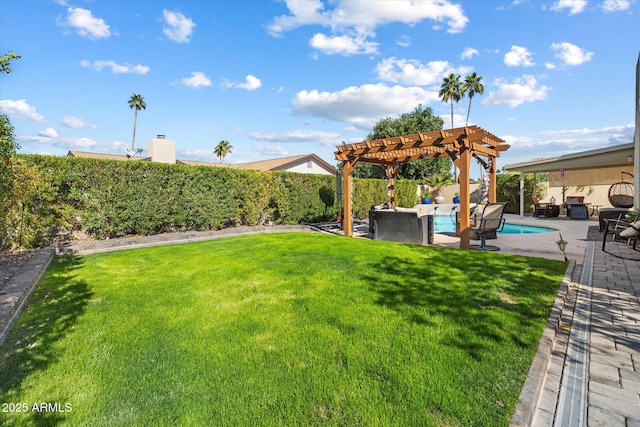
[(447, 224)]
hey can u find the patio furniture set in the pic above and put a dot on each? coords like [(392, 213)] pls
[(573, 205), (416, 227)]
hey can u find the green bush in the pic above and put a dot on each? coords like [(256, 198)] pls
[(370, 192), (508, 190), (108, 199)]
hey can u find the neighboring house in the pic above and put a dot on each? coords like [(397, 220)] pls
[(88, 155), (163, 150)]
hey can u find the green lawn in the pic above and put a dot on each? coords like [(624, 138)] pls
[(279, 329)]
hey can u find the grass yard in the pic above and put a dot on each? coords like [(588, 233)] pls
[(278, 329)]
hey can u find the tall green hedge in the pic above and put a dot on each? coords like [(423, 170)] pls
[(107, 198), (370, 192)]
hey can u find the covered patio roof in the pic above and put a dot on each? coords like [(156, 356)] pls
[(460, 144), (618, 155)]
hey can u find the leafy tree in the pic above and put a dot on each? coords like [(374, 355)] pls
[(472, 85), (137, 103), (5, 61), (452, 90), (8, 148), (222, 150), (419, 120), (436, 182)]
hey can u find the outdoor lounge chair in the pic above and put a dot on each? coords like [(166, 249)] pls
[(622, 229), (488, 224), (540, 209)]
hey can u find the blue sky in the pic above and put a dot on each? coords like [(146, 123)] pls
[(280, 78)]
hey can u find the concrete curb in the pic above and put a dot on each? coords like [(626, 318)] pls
[(525, 410), (125, 243), (15, 294)]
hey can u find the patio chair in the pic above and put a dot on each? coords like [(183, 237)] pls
[(488, 224), (622, 229), (540, 209)]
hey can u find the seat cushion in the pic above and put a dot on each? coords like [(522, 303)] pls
[(631, 231)]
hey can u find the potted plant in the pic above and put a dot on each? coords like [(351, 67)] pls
[(435, 183), (426, 197), (456, 198), (633, 216)]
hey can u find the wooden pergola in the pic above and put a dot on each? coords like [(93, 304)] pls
[(460, 144)]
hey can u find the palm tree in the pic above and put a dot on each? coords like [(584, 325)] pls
[(473, 84), (138, 103), (222, 150), (452, 89)]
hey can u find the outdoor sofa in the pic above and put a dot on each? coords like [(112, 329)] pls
[(402, 225)]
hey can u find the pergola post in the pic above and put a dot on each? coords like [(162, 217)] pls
[(493, 186), (522, 194), (465, 198), (347, 215), (391, 189)]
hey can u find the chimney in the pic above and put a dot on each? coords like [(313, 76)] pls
[(162, 150)]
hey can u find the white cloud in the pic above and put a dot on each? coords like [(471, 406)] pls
[(615, 5), (76, 123), (85, 24), (343, 45), (251, 83), (272, 150), (20, 109), (571, 54), (42, 143), (574, 6), (178, 27), (522, 90), (609, 130), (68, 143), (518, 56), (413, 72), (362, 106), (469, 53), (368, 15), (404, 41), (48, 133), (115, 67), (197, 79), (324, 138)]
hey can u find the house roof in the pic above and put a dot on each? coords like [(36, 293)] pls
[(121, 157), (282, 163), (617, 155)]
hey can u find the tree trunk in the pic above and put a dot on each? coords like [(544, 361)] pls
[(451, 113), (135, 121)]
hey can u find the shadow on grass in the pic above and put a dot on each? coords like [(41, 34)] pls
[(485, 299), (52, 311)]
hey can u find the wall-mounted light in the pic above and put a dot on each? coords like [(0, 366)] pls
[(630, 158)]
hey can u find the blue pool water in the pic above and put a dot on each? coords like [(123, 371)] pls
[(446, 224)]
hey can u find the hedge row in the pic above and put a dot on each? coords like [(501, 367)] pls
[(108, 199)]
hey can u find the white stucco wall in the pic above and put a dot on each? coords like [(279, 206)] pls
[(308, 167)]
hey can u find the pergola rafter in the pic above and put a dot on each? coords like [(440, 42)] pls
[(460, 144)]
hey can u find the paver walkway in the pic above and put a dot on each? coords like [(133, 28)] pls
[(591, 374)]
